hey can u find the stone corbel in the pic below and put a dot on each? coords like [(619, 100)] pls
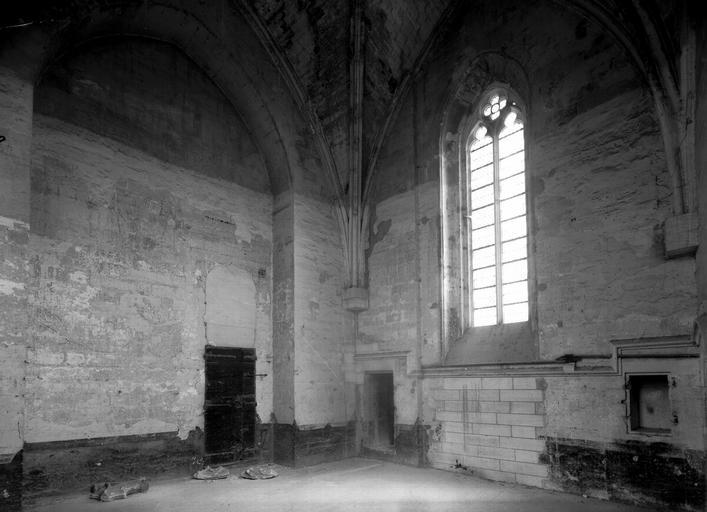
[(682, 235), (356, 299)]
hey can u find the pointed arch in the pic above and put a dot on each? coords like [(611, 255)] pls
[(480, 77)]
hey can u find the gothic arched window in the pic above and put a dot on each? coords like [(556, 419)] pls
[(497, 222)]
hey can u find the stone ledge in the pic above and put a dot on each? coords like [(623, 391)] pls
[(538, 368), (661, 347), (392, 354)]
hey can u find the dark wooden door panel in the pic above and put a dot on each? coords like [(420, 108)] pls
[(229, 406)]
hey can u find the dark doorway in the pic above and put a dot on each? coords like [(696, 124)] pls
[(380, 410), (229, 404)]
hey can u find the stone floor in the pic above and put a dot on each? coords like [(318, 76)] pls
[(348, 485)]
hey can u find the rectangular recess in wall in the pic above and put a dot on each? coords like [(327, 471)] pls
[(379, 396), (649, 411)]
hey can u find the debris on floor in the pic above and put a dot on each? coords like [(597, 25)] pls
[(261, 472), (118, 491), (209, 473)]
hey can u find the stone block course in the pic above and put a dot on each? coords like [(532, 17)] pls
[(481, 440), (473, 383), (453, 426), (450, 416), (527, 456), (454, 437), (488, 395), (525, 432), (522, 407), (526, 395), (491, 430), (452, 406), (492, 426), (447, 447), (446, 394), (497, 383), (497, 453), (481, 417), (530, 420), (504, 407), (525, 383)]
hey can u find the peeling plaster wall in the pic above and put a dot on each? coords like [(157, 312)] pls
[(283, 310), (14, 235), (119, 290), (122, 243), (322, 329), (16, 111), (403, 275)]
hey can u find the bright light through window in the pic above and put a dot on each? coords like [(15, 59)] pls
[(497, 220)]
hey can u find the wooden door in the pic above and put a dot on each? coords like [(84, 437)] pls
[(229, 405)]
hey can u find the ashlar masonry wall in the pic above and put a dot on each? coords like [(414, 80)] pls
[(488, 426)]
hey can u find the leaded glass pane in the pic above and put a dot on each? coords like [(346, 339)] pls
[(481, 153), (483, 257), (481, 197), (515, 292), (484, 277), (513, 207), (515, 271), (483, 237), (511, 165), (482, 217), (513, 228), (512, 186), (501, 133), (514, 250), (514, 313), (486, 316), (484, 297), (481, 177), (509, 144)]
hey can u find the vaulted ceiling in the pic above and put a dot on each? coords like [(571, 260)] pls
[(312, 44)]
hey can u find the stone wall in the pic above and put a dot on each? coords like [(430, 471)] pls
[(569, 430), (489, 426), (120, 266), (322, 330), (600, 194), (146, 187), (16, 109)]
